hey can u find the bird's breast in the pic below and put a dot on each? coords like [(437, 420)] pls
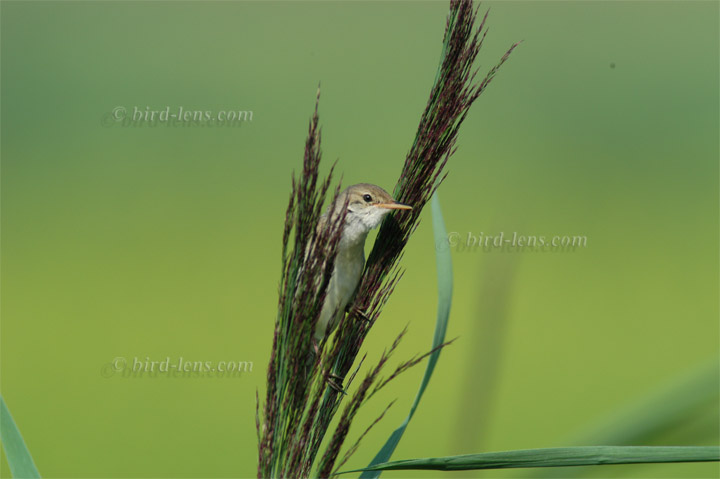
[(348, 269)]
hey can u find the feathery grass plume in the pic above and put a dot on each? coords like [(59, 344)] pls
[(300, 404), (453, 93), (306, 272)]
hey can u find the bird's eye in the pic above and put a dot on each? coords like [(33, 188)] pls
[(367, 198)]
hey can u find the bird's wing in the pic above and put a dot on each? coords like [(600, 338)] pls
[(350, 302)]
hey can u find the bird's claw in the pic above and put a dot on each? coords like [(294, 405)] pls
[(362, 315), (331, 378)]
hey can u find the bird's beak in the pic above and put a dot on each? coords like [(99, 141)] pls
[(393, 206)]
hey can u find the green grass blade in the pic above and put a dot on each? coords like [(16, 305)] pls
[(18, 456), (445, 286), (558, 457)]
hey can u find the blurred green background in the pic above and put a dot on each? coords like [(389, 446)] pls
[(164, 241)]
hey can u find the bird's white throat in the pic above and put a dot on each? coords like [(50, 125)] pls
[(358, 223)]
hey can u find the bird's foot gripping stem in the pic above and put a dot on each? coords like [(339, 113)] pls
[(362, 315), (333, 380)]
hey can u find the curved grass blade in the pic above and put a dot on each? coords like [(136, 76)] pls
[(445, 286), (557, 457), (18, 456)]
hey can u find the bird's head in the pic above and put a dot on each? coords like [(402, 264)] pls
[(367, 205)]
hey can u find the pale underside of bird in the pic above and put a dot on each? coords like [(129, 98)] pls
[(367, 206)]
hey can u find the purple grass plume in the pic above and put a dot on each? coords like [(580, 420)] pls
[(295, 418)]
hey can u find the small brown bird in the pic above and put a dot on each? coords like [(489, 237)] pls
[(367, 205)]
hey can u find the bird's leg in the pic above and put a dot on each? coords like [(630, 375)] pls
[(331, 378), (362, 315)]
